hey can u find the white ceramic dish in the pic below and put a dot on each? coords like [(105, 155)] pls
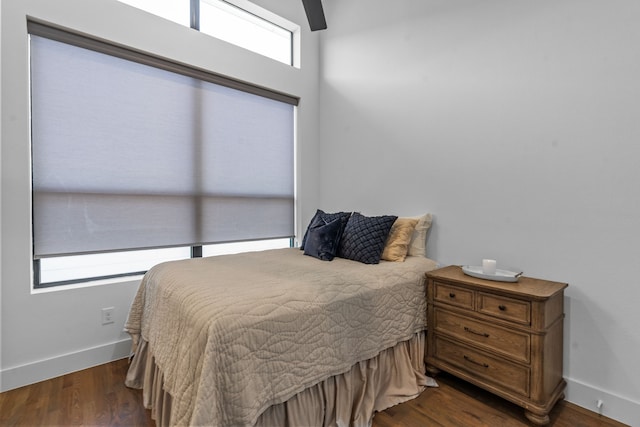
[(500, 276)]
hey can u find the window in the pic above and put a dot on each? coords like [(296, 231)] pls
[(130, 154), (235, 25), (239, 22), (68, 270), (238, 247)]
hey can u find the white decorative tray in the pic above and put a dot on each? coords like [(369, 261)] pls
[(500, 276)]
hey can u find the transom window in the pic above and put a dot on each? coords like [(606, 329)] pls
[(238, 22)]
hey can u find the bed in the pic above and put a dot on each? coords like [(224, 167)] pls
[(278, 338)]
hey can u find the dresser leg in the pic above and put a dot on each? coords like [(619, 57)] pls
[(432, 370), (539, 419)]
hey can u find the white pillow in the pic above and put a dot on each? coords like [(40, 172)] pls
[(418, 243)]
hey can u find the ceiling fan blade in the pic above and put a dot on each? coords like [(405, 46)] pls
[(315, 14)]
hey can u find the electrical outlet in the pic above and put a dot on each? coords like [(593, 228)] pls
[(107, 315)]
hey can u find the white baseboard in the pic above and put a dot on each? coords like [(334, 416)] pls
[(613, 406), (31, 373)]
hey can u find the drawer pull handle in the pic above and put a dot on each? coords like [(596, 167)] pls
[(502, 307), (482, 334), (452, 295), (468, 359)]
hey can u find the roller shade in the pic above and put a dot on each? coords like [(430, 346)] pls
[(127, 155)]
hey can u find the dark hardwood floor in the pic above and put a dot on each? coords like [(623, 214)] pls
[(98, 397), (92, 397), (460, 404)]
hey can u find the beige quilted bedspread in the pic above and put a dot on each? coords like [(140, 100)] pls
[(235, 334)]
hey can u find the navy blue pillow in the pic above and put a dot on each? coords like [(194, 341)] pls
[(322, 217), (364, 237), (323, 239)]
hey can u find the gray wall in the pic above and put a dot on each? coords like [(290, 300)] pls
[(517, 124)]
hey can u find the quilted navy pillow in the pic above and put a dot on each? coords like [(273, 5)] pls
[(322, 217), (364, 237), (323, 239)]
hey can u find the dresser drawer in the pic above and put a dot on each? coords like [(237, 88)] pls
[(453, 295), (496, 371), (510, 309), (512, 344)]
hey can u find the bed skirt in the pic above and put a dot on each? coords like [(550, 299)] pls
[(395, 375)]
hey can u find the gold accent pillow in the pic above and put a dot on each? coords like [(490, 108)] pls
[(397, 243)]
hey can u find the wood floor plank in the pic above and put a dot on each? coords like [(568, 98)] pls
[(98, 397)]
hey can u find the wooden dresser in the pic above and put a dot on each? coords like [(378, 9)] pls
[(504, 337)]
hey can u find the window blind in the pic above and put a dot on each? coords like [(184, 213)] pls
[(127, 155)]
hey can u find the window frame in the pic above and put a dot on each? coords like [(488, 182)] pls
[(249, 8), (80, 40)]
